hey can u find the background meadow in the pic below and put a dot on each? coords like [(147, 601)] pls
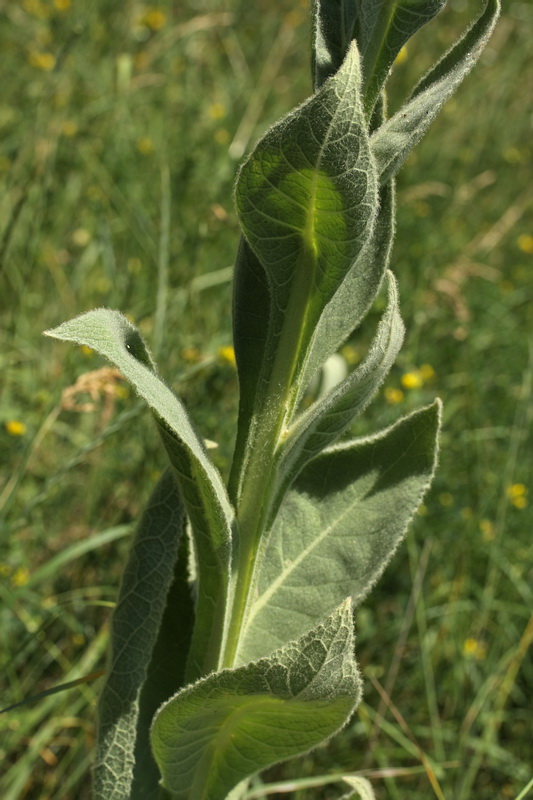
[(122, 125)]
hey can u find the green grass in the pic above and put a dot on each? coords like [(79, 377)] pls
[(116, 190)]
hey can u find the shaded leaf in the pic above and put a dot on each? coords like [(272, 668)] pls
[(333, 27), (135, 625), (165, 674)]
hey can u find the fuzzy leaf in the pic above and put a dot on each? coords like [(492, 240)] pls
[(383, 27), (350, 304), (202, 489), (338, 527), (166, 673), (251, 320), (307, 199), (394, 140), (329, 417), (234, 723), (136, 622), (333, 26)]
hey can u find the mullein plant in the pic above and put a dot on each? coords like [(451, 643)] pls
[(232, 644)]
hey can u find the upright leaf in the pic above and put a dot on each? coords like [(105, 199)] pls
[(135, 625), (394, 140), (251, 321), (333, 26), (165, 674), (202, 489), (338, 527), (348, 307), (234, 723), (307, 199), (383, 27), (329, 417)]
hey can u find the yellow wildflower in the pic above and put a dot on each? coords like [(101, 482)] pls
[(15, 428), (427, 372), (517, 495), (20, 577), (473, 648), (393, 396), (62, 5), (155, 19), (227, 354), (216, 111), (412, 380), (44, 61), (525, 243), (36, 8), (487, 529), (145, 145)]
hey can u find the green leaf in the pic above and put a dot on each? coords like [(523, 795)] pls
[(135, 625), (202, 489), (350, 304), (394, 140), (165, 675), (383, 27), (338, 527), (329, 417), (307, 201), (234, 723), (333, 26), (251, 320)]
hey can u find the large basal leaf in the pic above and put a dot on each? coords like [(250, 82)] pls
[(136, 622), (382, 29), (333, 26), (307, 200), (338, 527), (202, 489), (234, 723), (394, 140)]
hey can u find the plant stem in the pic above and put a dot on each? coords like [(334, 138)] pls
[(260, 472)]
